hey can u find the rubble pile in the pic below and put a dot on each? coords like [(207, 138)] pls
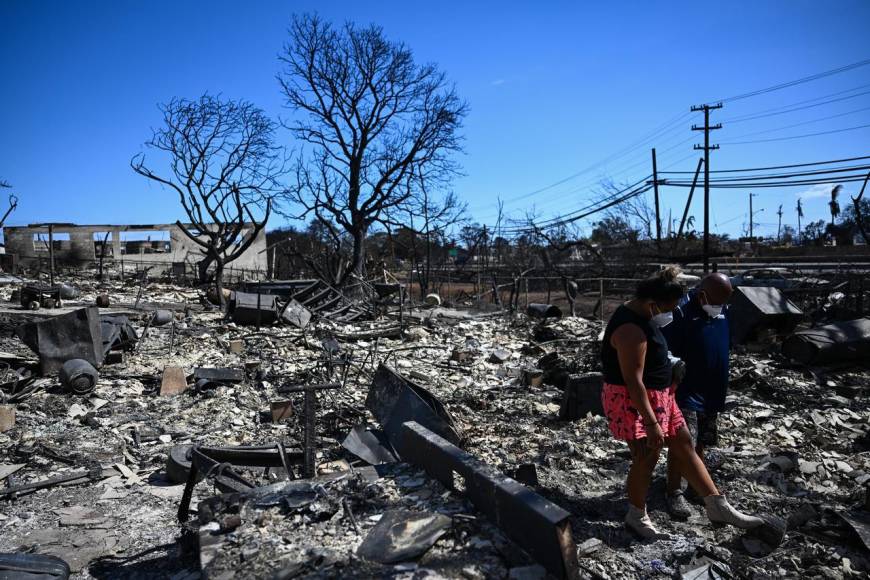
[(94, 473)]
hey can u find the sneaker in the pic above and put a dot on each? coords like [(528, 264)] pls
[(678, 507)]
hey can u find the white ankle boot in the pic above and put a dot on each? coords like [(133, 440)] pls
[(638, 522), (721, 512)]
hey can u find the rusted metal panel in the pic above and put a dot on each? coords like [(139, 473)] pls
[(536, 524), (394, 399), (61, 338)]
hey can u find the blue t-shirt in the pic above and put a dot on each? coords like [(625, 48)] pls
[(703, 343)]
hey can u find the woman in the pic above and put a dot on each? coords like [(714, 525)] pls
[(640, 405)]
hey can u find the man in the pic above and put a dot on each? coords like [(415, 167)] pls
[(699, 335)]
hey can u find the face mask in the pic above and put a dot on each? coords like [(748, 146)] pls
[(711, 310), (662, 319)]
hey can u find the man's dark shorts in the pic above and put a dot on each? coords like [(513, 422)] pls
[(704, 427)]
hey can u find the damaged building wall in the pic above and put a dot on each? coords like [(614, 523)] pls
[(81, 244)]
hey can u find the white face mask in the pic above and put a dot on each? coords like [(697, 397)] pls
[(663, 319), (712, 311)]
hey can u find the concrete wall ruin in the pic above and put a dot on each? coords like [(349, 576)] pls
[(155, 245)]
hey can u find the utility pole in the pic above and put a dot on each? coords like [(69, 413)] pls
[(656, 189), (707, 148), (751, 216), (779, 223)]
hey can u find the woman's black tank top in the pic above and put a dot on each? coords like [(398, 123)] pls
[(656, 366)]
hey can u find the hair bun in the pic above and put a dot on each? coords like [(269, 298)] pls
[(670, 273)]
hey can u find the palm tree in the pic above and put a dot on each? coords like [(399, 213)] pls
[(800, 212)]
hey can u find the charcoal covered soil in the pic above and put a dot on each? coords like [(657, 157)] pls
[(795, 444)]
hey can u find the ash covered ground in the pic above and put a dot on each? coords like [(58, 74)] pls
[(795, 444)]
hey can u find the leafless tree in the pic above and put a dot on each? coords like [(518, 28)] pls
[(225, 168), (554, 245), (13, 202), (373, 125), (429, 219), (636, 210)]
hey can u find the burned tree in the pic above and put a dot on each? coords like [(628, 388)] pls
[(225, 167), (373, 123), (13, 202), (428, 221)]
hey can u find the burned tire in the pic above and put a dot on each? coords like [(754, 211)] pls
[(178, 463)]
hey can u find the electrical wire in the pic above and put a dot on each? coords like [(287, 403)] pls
[(787, 175), (843, 130), (661, 130), (778, 166), (799, 81), (791, 108), (811, 121)]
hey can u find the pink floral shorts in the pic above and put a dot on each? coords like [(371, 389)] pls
[(625, 421)]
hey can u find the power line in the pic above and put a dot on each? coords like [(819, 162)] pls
[(780, 166), (792, 108), (799, 81), (661, 130), (784, 183), (843, 130), (811, 121), (609, 201), (761, 176)]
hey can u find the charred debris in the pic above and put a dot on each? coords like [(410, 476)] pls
[(309, 431)]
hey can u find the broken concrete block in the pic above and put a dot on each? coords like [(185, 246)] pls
[(174, 381), (237, 346), (81, 516), (7, 417), (402, 535)]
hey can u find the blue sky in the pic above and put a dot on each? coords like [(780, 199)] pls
[(553, 87)]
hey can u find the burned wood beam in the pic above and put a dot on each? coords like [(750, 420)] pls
[(536, 524)]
